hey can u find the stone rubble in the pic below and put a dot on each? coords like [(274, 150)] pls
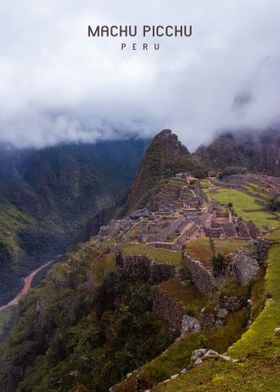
[(202, 354), (189, 324)]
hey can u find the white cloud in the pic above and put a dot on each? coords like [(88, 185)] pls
[(56, 84)]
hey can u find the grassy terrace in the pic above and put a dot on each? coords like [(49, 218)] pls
[(255, 375), (159, 255), (259, 345), (244, 205), (103, 264), (187, 296), (260, 336), (200, 250)]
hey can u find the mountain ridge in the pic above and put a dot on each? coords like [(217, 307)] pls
[(49, 195), (195, 267), (259, 152)]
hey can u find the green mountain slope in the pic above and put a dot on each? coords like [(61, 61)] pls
[(111, 314), (164, 157), (256, 151), (47, 198)]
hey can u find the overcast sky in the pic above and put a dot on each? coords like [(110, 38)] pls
[(57, 85)]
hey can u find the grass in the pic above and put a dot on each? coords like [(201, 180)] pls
[(258, 374), (187, 296), (245, 206), (261, 332), (200, 250), (261, 348), (102, 266), (178, 355), (159, 255), (254, 187)]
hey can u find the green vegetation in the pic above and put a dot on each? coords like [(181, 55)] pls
[(245, 206), (258, 294), (200, 250), (218, 264), (178, 355), (259, 345), (70, 334), (7, 316), (186, 295), (159, 255), (257, 374), (11, 222), (260, 334), (274, 205), (164, 157), (101, 267), (54, 197), (256, 187)]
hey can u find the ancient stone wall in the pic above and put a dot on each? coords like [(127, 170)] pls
[(202, 278), (243, 267), (160, 272), (246, 262), (144, 268), (166, 245), (260, 249), (167, 309)]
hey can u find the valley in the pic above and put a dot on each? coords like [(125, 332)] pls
[(55, 197), (179, 291), (27, 282)]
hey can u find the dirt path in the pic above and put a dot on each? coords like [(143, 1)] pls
[(26, 286)]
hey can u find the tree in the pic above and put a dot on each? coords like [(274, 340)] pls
[(274, 205), (212, 245), (218, 264)]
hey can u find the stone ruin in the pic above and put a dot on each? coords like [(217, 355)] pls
[(246, 262), (223, 224), (144, 268), (201, 277), (243, 266)]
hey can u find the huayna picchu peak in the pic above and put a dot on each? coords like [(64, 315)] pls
[(178, 293), (164, 157)]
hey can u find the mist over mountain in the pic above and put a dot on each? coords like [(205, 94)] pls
[(60, 86), (255, 151)]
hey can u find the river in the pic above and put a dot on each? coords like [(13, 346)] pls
[(27, 282)]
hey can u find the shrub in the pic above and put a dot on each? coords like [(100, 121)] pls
[(218, 264)]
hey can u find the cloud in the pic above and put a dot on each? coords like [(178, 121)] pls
[(58, 85)]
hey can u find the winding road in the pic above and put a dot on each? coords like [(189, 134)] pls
[(27, 282)]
